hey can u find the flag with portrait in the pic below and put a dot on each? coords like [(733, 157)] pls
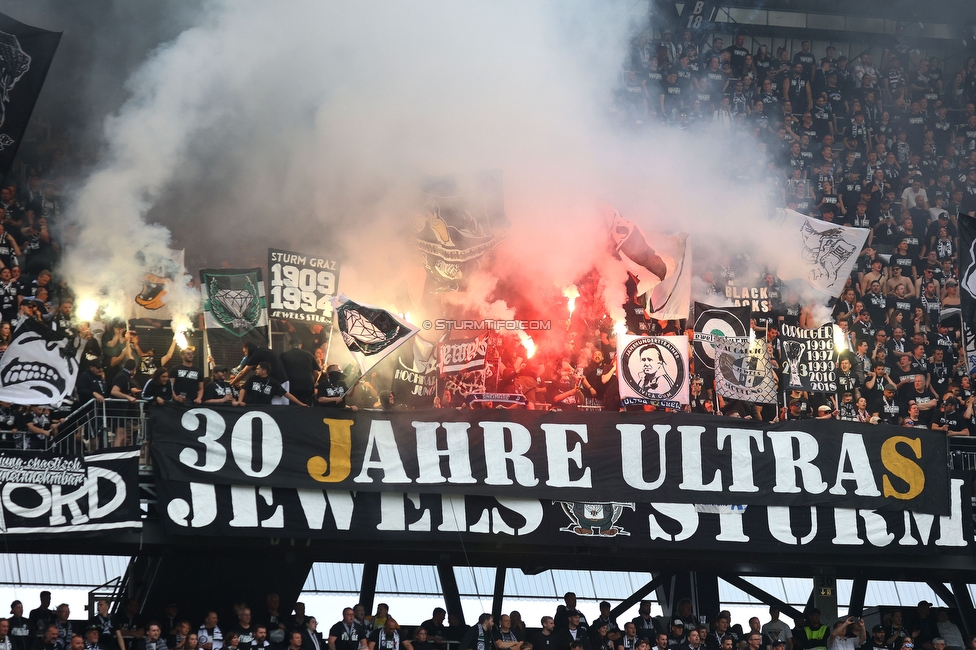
[(653, 370)]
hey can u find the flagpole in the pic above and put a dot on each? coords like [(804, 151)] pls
[(328, 347)]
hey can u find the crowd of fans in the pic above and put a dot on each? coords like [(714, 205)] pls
[(567, 629), (889, 146)]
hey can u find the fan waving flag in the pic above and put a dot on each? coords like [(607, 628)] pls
[(370, 333), (40, 366), (25, 55), (818, 252), (744, 371), (660, 263)]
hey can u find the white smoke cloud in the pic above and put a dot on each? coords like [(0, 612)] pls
[(310, 125)]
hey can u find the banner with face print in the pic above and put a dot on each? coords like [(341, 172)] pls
[(653, 369)]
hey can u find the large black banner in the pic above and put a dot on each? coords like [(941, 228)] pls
[(809, 358), (247, 510), (967, 270), (46, 494), (25, 55), (588, 457)]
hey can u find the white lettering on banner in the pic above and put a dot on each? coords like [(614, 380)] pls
[(429, 454), (668, 522), (743, 479), (34, 501), (497, 456), (787, 465), (557, 439), (723, 459), (691, 462), (852, 451), (316, 502), (683, 514), (382, 440), (632, 446)]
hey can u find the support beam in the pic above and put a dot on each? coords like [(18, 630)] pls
[(764, 596), (706, 592), (499, 594), (964, 603), (367, 586), (639, 595), (943, 592), (858, 590), (452, 597)]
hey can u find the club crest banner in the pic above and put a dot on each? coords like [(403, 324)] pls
[(234, 300), (743, 371), (653, 369)]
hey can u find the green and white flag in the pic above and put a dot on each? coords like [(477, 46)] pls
[(234, 300)]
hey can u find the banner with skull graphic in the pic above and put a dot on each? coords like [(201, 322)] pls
[(820, 253), (25, 55), (40, 366), (234, 300)]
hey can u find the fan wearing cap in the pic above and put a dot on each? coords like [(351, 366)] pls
[(331, 391), (813, 635), (877, 640), (676, 632), (955, 418), (261, 388), (92, 634), (219, 390)]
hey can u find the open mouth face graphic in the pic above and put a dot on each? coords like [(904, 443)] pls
[(21, 365)]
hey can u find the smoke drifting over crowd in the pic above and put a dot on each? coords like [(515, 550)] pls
[(312, 125)]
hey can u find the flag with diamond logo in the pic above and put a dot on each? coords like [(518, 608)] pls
[(234, 300), (369, 332)]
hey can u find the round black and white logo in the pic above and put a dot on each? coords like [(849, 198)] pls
[(653, 368), (713, 322)]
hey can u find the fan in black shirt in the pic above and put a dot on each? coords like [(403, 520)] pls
[(260, 389), (347, 634), (187, 379)]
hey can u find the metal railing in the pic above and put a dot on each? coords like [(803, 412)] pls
[(92, 426), (962, 453)]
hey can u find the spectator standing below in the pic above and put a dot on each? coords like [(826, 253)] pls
[(776, 629), (347, 634), (302, 371), (479, 637)]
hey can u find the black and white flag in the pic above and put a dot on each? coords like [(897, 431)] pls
[(25, 55), (40, 366), (809, 358), (370, 333), (817, 252), (743, 371), (712, 322)]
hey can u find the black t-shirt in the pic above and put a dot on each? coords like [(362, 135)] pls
[(20, 633), (216, 390), (347, 638), (264, 354), (390, 641), (245, 637), (124, 381), (327, 388), (153, 390), (545, 641), (186, 382), (889, 412), (921, 398), (955, 421), (906, 263), (261, 390)]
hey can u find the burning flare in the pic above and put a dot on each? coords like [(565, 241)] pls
[(571, 293), (527, 343), (87, 308), (181, 325)]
